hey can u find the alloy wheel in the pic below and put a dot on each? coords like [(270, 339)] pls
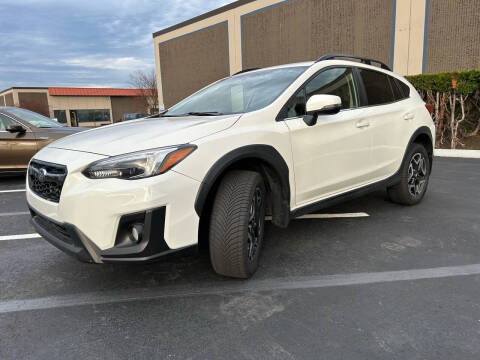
[(417, 174), (254, 223)]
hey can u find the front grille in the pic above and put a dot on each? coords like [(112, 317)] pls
[(55, 229), (46, 179)]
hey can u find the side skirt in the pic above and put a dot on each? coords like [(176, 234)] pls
[(350, 195)]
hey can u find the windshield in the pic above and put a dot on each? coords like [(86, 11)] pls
[(33, 118), (238, 94)]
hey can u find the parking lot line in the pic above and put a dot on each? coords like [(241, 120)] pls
[(222, 288), (12, 191), (332, 216), (19, 237), (328, 216), (18, 213)]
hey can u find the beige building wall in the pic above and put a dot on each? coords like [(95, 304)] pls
[(68, 103)]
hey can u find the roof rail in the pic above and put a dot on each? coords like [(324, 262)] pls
[(246, 70), (362, 59)]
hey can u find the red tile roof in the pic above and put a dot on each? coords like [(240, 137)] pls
[(66, 91)]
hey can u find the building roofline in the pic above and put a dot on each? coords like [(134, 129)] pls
[(211, 13), (22, 87)]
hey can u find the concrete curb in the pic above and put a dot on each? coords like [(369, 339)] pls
[(473, 154)]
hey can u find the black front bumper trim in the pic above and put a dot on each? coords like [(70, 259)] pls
[(63, 236)]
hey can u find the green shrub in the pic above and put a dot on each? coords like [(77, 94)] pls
[(457, 111)]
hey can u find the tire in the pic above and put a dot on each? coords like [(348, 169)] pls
[(236, 239), (415, 173)]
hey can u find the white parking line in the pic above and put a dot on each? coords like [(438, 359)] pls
[(19, 237), (231, 287), (328, 216), (15, 213), (12, 191)]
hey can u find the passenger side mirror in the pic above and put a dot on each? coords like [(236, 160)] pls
[(321, 105), (16, 129)]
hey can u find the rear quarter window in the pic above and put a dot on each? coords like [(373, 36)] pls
[(404, 88)]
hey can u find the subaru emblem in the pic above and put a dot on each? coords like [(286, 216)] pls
[(42, 174)]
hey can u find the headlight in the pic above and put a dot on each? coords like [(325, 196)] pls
[(139, 164)]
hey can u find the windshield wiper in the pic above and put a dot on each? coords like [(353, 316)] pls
[(204, 113)]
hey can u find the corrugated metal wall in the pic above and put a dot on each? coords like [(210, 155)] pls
[(453, 35), (303, 30), (190, 62)]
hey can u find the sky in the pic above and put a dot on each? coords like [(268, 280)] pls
[(85, 43)]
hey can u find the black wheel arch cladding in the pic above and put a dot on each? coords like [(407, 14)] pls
[(272, 167)]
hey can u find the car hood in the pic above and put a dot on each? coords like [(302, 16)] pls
[(60, 131), (142, 134)]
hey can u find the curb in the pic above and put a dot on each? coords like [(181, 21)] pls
[(473, 154)]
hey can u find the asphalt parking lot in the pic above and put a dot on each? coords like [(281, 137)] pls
[(402, 283)]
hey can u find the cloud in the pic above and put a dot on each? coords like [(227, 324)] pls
[(73, 43), (118, 63)]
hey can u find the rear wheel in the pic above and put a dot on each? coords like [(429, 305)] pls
[(237, 224), (415, 173)]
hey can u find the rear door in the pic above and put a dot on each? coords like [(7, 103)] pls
[(390, 120), (333, 155), (16, 149)]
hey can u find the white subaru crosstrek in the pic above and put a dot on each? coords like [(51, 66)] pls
[(281, 142)]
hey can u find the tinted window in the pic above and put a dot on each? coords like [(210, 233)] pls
[(60, 115), (403, 87), (397, 94), (93, 115), (335, 81), (377, 88), (6, 121)]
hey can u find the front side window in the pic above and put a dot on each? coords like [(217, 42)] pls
[(34, 118), (335, 81), (240, 93), (377, 87), (5, 121)]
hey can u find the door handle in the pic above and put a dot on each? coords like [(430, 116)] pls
[(408, 116), (362, 124)]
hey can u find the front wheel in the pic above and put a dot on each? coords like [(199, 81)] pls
[(415, 173), (237, 224)]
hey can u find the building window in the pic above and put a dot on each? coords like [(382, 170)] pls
[(92, 115), (60, 115)]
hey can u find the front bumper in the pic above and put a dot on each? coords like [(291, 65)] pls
[(90, 211), (72, 241)]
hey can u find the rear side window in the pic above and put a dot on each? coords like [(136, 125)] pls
[(404, 88), (377, 88)]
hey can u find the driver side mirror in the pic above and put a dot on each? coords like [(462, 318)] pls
[(16, 129), (321, 105)]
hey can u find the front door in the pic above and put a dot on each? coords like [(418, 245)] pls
[(334, 155), (16, 149)]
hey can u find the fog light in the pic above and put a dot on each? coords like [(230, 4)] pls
[(136, 232)]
